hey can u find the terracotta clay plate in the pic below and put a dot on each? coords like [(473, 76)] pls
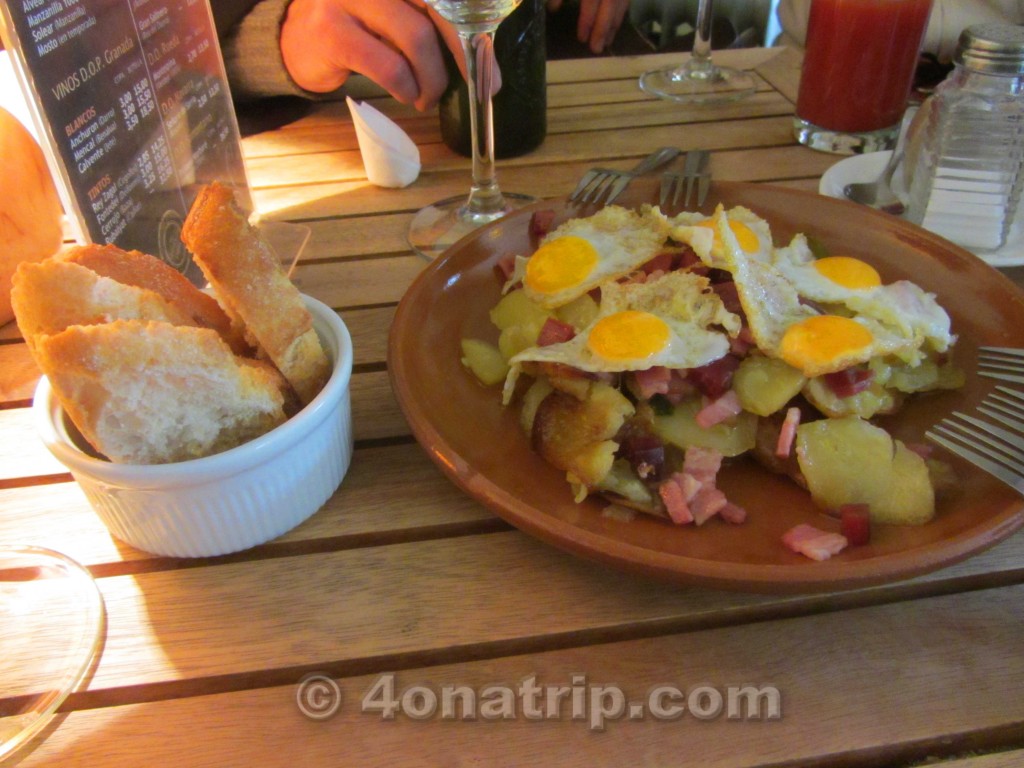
[(479, 445)]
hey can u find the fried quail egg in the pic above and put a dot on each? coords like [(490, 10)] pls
[(675, 321), (752, 234), (784, 326), (902, 307), (583, 253)]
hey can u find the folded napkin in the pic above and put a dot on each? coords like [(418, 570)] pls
[(389, 155)]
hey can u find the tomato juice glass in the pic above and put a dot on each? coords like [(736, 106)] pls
[(857, 73)]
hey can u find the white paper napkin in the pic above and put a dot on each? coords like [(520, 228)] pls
[(389, 155)]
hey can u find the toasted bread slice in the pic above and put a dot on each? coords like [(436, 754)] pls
[(149, 272), (245, 273), (150, 393), (51, 295)]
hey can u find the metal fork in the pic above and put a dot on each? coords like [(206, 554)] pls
[(598, 181), (695, 176), (996, 448), (1003, 363)]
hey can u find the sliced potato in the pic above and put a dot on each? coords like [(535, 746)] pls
[(484, 360), (851, 461), (516, 308), (910, 499), (874, 400), (680, 428), (765, 384), (579, 313), (532, 398), (516, 338), (623, 481), (576, 435)]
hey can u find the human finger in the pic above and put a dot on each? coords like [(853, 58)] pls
[(599, 22), (407, 27)]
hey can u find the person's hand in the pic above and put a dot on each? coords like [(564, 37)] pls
[(599, 21), (392, 42)]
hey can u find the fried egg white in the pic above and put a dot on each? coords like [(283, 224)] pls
[(902, 307), (581, 254), (752, 233), (675, 321)]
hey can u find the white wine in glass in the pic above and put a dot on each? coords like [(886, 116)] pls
[(443, 223), (699, 79)]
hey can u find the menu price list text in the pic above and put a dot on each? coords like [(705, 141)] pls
[(137, 105)]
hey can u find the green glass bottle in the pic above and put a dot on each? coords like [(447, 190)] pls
[(520, 107)]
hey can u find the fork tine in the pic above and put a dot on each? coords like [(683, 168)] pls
[(1003, 415), (1011, 351), (667, 182), (690, 168), (991, 435), (588, 177), (1002, 363), (996, 470), (982, 444), (1013, 379), (601, 186)]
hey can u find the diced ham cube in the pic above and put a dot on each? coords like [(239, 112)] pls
[(855, 523), (672, 496), (653, 381), (706, 504), (541, 223), (702, 464), (718, 410), (787, 433), (505, 266), (813, 542), (733, 513), (554, 331)]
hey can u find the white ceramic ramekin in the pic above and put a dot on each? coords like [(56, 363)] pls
[(229, 501)]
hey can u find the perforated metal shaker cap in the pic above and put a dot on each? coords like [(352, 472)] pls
[(995, 49)]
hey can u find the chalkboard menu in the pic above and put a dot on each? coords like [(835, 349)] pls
[(132, 98)]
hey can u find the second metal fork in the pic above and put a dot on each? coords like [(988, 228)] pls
[(997, 448), (696, 176), (597, 181)]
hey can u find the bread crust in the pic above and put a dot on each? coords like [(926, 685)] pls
[(144, 392), (52, 295), (145, 271), (251, 285)]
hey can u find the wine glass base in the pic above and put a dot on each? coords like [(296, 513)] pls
[(439, 226), (698, 86), (51, 630)]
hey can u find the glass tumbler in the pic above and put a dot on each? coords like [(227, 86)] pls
[(857, 73)]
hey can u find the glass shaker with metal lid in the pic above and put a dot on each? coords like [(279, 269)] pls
[(965, 153)]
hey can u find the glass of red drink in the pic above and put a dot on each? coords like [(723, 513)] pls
[(858, 71)]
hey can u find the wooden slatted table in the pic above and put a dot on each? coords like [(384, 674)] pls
[(402, 573)]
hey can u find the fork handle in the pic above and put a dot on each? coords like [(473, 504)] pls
[(655, 160)]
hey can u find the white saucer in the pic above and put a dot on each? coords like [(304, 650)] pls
[(869, 166)]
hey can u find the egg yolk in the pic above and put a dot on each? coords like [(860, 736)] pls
[(848, 272), (629, 335), (817, 341), (562, 263), (745, 236)]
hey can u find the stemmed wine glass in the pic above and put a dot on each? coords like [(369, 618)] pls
[(699, 79), (52, 622), (438, 226)]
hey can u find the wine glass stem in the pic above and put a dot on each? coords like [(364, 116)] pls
[(700, 60), (478, 48)]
